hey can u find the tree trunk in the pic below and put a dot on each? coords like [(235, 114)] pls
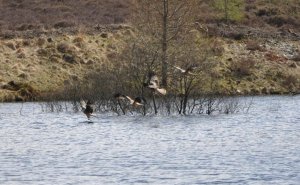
[(164, 64), (226, 10), (154, 103)]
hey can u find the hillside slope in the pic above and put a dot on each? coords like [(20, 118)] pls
[(31, 14), (48, 46)]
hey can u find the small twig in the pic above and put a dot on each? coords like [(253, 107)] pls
[(154, 104), (21, 109)]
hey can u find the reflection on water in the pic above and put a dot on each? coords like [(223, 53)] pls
[(261, 147)]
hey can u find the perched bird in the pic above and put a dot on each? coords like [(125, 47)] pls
[(187, 70), (87, 108), (153, 83)]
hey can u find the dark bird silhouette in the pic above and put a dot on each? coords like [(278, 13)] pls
[(153, 83), (87, 108)]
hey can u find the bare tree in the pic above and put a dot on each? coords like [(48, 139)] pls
[(164, 21)]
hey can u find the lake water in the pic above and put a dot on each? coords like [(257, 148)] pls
[(258, 147)]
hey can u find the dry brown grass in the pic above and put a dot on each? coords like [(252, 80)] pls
[(254, 45), (296, 57), (44, 14), (243, 67), (46, 62), (271, 56), (260, 14), (291, 81), (31, 14)]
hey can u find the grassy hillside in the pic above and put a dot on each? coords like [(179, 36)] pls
[(255, 13), (31, 14), (48, 63), (47, 46), (23, 15)]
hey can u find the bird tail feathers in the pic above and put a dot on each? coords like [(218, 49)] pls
[(161, 91)]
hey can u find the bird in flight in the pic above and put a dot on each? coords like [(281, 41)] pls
[(138, 101), (153, 83), (187, 70), (119, 96), (87, 108)]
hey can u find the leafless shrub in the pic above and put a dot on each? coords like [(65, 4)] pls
[(253, 45), (78, 39), (43, 52), (250, 7), (230, 105), (24, 27), (49, 40), (243, 67), (65, 48), (206, 104), (10, 45), (72, 59), (293, 65), (211, 103), (296, 57), (271, 56), (280, 21), (267, 12), (63, 24), (217, 48), (26, 42), (235, 35), (53, 106), (41, 41), (290, 81), (104, 35)]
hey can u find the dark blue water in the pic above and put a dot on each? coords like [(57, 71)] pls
[(258, 147)]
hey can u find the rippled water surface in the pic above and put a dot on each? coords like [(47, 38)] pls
[(258, 147)]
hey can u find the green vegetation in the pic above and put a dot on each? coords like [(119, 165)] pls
[(233, 10)]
